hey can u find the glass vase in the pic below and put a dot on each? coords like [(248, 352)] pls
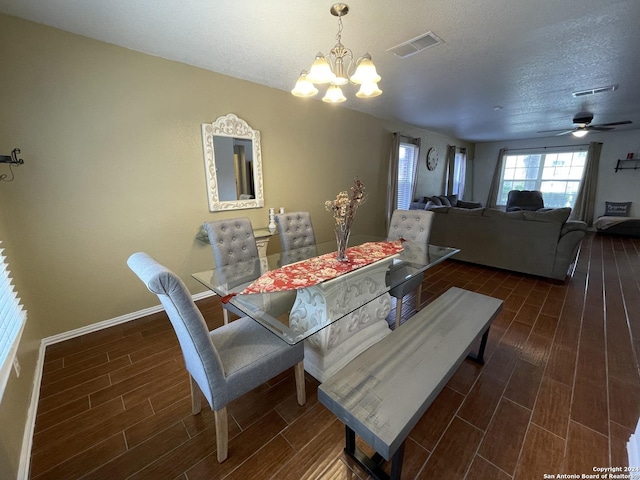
[(342, 239)]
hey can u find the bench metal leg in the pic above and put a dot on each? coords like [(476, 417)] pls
[(373, 466), (479, 358)]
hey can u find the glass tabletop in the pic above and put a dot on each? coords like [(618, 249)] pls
[(272, 309)]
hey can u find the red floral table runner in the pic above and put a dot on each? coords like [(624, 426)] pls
[(319, 269)]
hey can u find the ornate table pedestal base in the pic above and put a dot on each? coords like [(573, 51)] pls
[(331, 348)]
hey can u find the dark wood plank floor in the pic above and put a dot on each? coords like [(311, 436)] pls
[(560, 393)]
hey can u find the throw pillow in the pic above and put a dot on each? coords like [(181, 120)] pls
[(559, 215), (453, 200), (445, 201), (435, 200), (617, 209)]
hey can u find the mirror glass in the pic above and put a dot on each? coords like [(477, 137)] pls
[(233, 164)]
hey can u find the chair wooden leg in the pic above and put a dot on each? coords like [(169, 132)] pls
[(225, 315), (222, 433), (398, 311), (418, 298), (196, 396), (300, 391)]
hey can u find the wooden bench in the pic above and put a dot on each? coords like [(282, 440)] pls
[(383, 392)]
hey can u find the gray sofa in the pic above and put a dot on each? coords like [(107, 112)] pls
[(538, 243), (427, 203)]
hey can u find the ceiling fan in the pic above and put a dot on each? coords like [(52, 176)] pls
[(583, 122)]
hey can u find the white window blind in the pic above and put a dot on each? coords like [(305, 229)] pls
[(408, 156), (12, 320)]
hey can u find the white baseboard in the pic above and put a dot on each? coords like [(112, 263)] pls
[(27, 439)]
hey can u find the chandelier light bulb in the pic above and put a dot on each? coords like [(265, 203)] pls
[(304, 88), (320, 72), (368, 90), (365, 72), (334, 95)]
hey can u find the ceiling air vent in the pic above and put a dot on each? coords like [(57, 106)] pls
[(415, 45), (593, 91)]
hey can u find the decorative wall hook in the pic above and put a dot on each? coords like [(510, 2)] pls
[(11, 160)]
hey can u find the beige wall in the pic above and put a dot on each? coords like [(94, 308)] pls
[(113, 164)]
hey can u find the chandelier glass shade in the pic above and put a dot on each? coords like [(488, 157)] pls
[(339, 68)]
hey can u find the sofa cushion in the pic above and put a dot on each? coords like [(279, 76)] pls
[(439, 209), (476, 212), (463, 204), (573, 225), (557, 215), (493, 213)]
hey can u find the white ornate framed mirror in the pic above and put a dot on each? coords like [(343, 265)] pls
[(233, 164)]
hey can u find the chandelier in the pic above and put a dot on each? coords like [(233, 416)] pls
[(337, 69)]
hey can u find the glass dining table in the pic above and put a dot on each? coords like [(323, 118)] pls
[(337, 317)]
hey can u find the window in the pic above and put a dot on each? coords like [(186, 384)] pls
[(459, 172), (557, 174), (12, 319), (408, 157)]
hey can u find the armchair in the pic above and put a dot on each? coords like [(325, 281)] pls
[(524, 200)]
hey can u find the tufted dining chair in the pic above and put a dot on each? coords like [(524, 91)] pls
[(413, 226), (225, 363), (232, 242), (296, 237), (295, 230)]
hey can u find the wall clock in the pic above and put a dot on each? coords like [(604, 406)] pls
[(432, 158)]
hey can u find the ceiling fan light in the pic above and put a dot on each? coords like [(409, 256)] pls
[(579, 133), (304, 88), (365, 71), (320, 71), (368, 90), (334, 95)]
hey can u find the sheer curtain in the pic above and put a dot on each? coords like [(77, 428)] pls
[(586, 199), (403, 167), (492, 198), (456, 171), (450, 159)]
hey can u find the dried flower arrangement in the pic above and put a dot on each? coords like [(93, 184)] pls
[(344, 209)]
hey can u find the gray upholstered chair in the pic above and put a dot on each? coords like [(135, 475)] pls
[(524, 200), (232, 242), (225, 363), (295, 230), (413, 226)]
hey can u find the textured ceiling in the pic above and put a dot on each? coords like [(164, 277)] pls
[(524, 56)]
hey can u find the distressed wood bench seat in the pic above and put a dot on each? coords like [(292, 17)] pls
[(384, 391)]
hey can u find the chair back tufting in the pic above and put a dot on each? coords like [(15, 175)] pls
[(295, 230), (232, 241)]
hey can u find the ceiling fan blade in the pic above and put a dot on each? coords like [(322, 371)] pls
[(600, 128), (624, 122), (554, 131), (566, 132)]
